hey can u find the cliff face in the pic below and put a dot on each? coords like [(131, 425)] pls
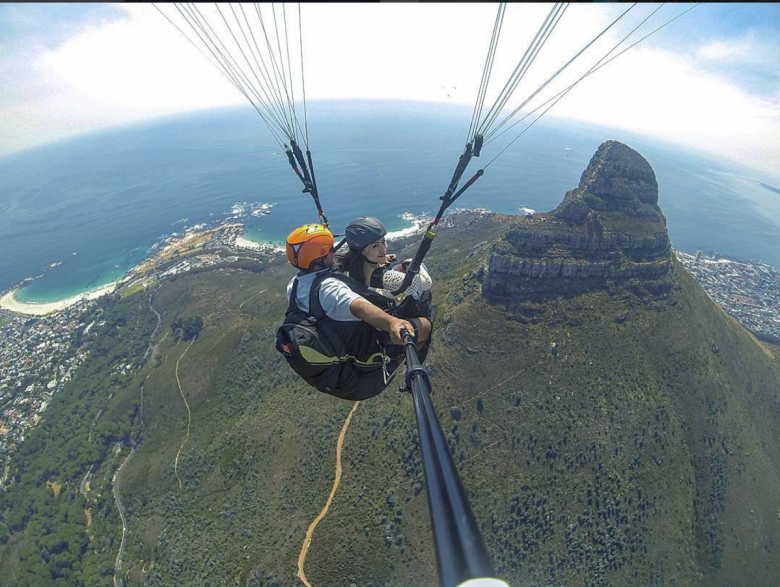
[(609, 228)]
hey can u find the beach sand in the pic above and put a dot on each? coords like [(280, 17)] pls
[(188, 241), (9, 302), (243, 243)]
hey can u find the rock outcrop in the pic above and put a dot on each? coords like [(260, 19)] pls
[(609, 229)]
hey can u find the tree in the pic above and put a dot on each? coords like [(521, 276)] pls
[(187, 328)]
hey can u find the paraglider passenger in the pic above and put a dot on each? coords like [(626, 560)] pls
[(367, 261)]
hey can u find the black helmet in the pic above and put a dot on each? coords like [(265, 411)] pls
[(363, 231)]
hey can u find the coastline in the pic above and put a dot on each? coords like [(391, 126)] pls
[(10, 303), (225, 233), (245, 243), (189, 240)]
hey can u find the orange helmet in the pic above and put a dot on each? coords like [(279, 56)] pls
[(308, 243)]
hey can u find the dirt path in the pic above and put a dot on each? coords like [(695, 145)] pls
[(251, 297), (189, 415), (84, 487), (322, 514)]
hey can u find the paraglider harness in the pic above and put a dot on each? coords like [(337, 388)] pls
[(410, 306), (349, 360)]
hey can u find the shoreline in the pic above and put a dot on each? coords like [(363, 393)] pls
[(10, 303), (242, 242)]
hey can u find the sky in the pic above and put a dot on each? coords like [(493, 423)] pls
[(708, 81)]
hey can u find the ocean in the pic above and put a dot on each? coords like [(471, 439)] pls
[(79, 214)]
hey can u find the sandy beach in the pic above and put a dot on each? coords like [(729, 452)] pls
[(191, 239), (9, 302), (243, 243)]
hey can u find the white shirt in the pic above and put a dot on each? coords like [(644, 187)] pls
[(335, 296)]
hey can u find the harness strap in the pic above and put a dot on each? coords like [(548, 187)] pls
[(292, 306), (315, 306)]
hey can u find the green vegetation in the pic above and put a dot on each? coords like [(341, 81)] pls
[(46, 532), (612, 438), (187, 328), (140, 285)]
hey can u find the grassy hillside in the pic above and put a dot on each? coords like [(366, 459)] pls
[(611, 438), (639, 439)]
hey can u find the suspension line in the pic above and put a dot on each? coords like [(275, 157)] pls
[(531, 52), (483, 85), (580, 52), (594, 69)]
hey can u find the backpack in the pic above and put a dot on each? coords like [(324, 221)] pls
[(344, 359)]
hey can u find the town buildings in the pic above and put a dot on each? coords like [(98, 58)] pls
[(748, 290), (37, 358)]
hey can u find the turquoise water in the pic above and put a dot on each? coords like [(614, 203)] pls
[(95, 206)]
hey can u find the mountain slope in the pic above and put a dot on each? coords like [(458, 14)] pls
[(611, 424)]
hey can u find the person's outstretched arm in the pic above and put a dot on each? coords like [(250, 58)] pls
[(380, 319)]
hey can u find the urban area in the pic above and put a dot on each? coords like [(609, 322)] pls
[(748, 290), (37, 358)]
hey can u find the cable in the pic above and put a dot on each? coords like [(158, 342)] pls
[(303, 80), (220, 67), (290, 106), (486, 71), (566, 91), (241, 49), (279, 77), (531, 52), (289, 67), (227, 39), (266, 90), (593, 69), (225, 58), (540, 88)]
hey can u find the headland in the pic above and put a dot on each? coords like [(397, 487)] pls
[(196, 248)]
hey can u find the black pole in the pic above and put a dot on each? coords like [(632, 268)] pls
[(460, 552)]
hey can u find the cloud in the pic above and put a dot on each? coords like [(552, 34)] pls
[(37, 106), (48, 25), (665, 95), (132, 65), (748, 48), (105, 71), (723, 51), (139, 64)]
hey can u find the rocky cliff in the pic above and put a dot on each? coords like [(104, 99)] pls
[(608, 229)]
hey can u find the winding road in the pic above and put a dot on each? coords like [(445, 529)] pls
[(115, 482), (118, 582)]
